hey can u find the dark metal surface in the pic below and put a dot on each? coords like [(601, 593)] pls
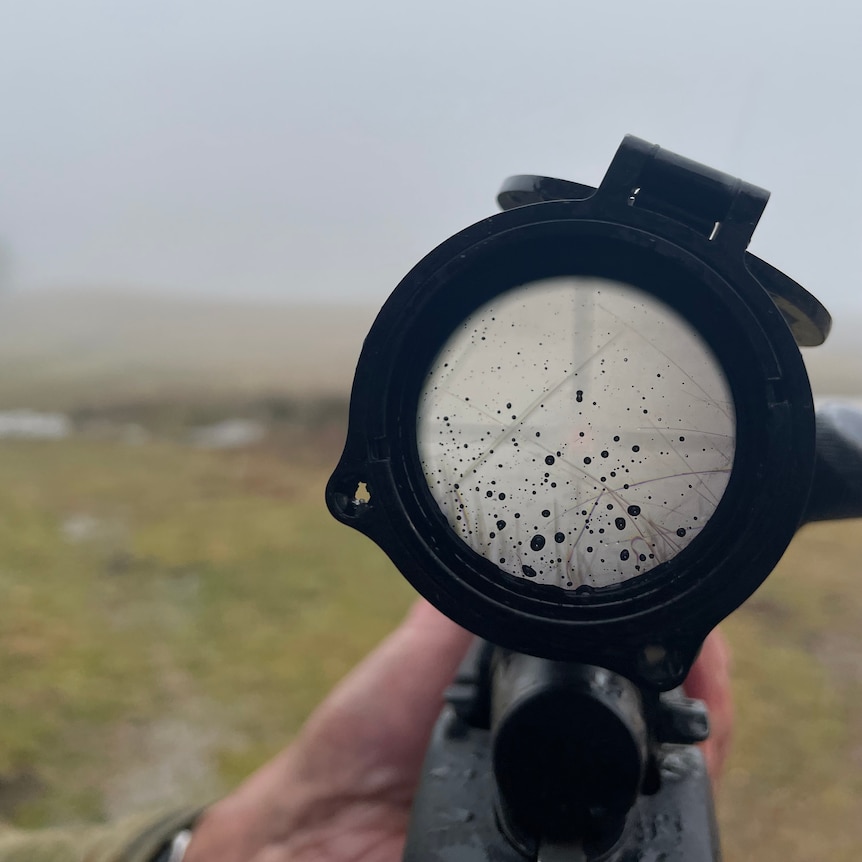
[(570, 744), (456, 817), (837, 488)]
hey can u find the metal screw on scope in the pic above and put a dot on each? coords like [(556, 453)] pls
[(681, 720), (658, 664)]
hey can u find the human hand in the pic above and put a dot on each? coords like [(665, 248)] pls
[(342, 791)]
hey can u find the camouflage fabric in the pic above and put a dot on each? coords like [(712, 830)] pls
[(133, 839)]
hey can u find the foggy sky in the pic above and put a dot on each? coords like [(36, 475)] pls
[(316, 150)]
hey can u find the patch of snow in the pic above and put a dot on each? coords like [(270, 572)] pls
[(229, 434), (33, 425), (81, 528)]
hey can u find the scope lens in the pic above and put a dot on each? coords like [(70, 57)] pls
[(576, 432)]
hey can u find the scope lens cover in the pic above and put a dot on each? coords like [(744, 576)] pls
[(586, 428)]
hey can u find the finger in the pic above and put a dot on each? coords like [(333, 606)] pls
[(709, 681)]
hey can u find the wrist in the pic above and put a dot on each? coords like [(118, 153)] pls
[(222, 833), (268, 809)]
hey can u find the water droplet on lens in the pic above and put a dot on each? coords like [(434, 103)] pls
[(634, 511), (537, 543), (501, 525), (620, 523), (579, 396), (559, 538), (528, 571), (680, 532), (636, 448), (604, 453), (550, 459), (624, 555), (546, 513)]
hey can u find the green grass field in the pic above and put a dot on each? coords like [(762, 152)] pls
[(170, 615)]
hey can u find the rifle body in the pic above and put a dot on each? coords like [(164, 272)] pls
[(463, 811)]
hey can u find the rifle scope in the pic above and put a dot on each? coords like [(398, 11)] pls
[(584, 423)]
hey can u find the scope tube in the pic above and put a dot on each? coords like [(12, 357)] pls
[(836, 491), (569, 749)]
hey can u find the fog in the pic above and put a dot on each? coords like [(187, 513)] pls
[(314, 151)]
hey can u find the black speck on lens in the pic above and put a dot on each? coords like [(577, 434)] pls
[(537, 543)]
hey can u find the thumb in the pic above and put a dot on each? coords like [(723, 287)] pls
[(375, 725), (709, 681)]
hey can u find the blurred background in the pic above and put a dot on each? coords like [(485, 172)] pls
[(202, 206)]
